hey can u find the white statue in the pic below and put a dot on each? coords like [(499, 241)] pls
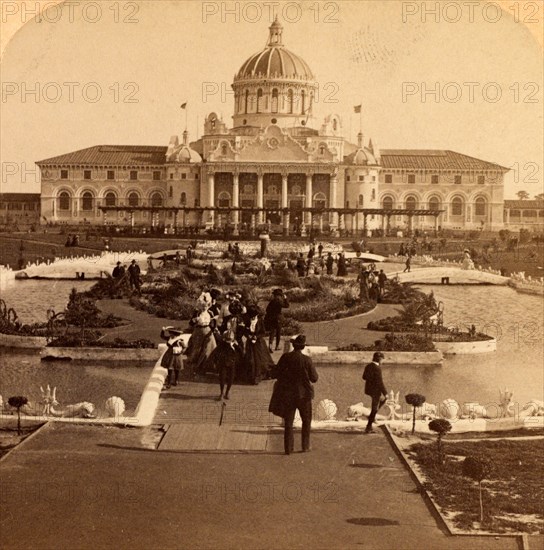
[(114, 407), (393, 405), (357, 411), (326, 410), (467, 260), (449, 409), (78, 410)]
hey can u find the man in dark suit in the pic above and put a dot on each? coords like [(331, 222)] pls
[(374, 387), (296, 374)]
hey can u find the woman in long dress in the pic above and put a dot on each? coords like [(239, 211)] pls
[(172, 359), (257, 358), (202, 342)]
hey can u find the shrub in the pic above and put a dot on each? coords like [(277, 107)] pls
[(17, 402), (477, 468), (441, 426), (416, 400)]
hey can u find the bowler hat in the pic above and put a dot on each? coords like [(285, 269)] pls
[(299, 341), (377, 355), (215, 293), (277, 292)]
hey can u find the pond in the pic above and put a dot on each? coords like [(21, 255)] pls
[(22, 373)]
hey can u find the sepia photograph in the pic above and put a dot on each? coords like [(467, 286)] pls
[(272, 274)]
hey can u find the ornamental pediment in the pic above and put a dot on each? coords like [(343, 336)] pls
[(273, 145)]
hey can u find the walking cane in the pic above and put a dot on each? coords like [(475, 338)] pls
[(223, 407)]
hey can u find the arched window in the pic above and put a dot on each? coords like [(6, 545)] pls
[(183, 199), (275, 100), (133, 199), (434, 203), (259, 100), (321, 150), (87, 201), (480, 207), (334, 125), (171, 192), (223, 199), (64, 201), (361, 200), (303, 102), (110, 198), (388, 203), (320, 200), (246, 101), (411, 203), (290, 100), (156, 199), (457, 206)]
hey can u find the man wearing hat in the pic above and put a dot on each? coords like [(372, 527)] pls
[(374, 387), (225, 358), (118, 271), (272, 318), (296, 376)]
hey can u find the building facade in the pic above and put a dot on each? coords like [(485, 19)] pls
[(20, 210), (524, 214), (276, 165)]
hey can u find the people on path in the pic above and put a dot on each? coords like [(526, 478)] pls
[(382, 278), (362, 279), (202, 342), (408, 264), (329, 263), (320, 249), (374, 387), (294, 391), (226, 358), (342, 265), (118, 271), (172, 358), (257, 359), (134, 276), (273, 317)]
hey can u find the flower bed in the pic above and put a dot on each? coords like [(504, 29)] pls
[(513, 492), (395, 342)]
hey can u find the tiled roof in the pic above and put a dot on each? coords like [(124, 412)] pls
[(433, 159), (514, 203), (112, 155)]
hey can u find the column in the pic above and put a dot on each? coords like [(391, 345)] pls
[(284, 191), (105, 217), (260, 197), (321, 223), (383, 225), (253, 222), (353, 229), (183, 218), (211, 199), (175, 221), (286, 217), (341, 221), (365, 225), (436, 225), (333, 185), (357, 224), (410, 223), (388, 226), (131, 217), (235, 202), (309, 195)]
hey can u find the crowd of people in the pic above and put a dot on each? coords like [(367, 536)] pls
[(229, 338)]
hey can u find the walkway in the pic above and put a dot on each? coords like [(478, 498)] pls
[(91, 488), (434, 275)]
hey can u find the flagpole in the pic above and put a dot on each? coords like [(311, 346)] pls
[(186, 117)]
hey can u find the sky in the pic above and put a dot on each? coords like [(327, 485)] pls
[(468, 78)]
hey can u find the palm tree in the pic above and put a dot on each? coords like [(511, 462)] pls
[(522, 195), (539, 197)]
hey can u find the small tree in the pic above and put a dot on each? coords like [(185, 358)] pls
[(478, 469), (441, 426), (416, 400), (522, 195), (17, 402)]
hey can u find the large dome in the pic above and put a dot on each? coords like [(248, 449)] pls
[(275, 61)]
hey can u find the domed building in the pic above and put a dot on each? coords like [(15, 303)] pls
[(276, 166)]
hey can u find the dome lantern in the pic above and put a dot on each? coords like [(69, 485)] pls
[(276, 31)]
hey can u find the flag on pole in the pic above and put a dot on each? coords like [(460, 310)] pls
[(357, 108), (183, 105)]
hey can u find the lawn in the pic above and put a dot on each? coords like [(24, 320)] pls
[(513, 492)]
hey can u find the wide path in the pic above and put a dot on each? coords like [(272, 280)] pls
[(81, 487)]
